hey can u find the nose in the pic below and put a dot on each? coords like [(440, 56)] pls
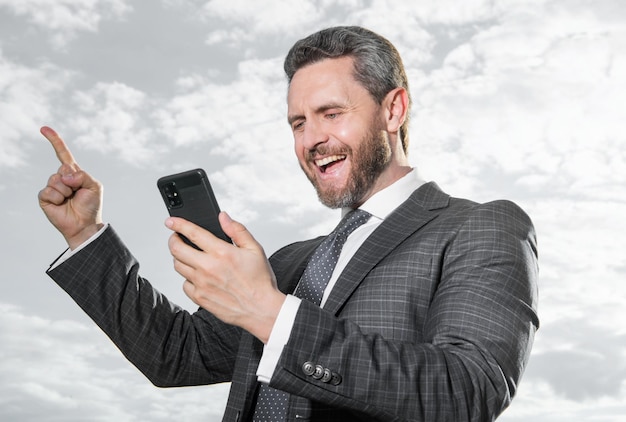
[(313, 134)]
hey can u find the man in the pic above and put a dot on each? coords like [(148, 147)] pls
[(430, 310)]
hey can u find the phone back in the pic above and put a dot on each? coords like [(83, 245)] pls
[(189, 195)]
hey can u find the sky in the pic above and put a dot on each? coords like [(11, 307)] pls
[(514, 99)]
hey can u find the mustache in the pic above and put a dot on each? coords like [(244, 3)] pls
[(325, 150)]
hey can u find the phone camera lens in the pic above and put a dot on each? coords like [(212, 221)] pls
[(171, 195)]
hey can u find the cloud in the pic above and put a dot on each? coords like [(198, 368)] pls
[(242, 22), (577, 259), (28, 340), (70, 369), (25, 101), (537, 401), (65, 18), (247, 22), (207, 110), (575, 359), (110, 119), (533, 93)]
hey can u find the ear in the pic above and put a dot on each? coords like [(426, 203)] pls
[(396, 105)]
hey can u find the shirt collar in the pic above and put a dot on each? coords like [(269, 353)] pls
[(383, 202)]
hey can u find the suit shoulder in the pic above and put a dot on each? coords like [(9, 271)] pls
[(495, 218), (498, 209), (505, 210), (499, 221)]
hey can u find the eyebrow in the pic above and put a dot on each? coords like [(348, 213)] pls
[(318, 110)]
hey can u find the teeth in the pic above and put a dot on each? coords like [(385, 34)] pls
[(328, 160)]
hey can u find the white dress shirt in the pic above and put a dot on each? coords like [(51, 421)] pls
[(380, 205)]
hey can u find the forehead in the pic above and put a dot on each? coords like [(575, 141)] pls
[(323, 81)]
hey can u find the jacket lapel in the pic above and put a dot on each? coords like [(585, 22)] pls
[(420, 208)]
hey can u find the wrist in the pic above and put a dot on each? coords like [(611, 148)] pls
[(85, 234), (262, 324)]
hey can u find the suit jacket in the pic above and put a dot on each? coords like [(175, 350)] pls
[(432, 320)]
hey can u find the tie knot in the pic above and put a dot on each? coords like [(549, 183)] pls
[(351, 221)]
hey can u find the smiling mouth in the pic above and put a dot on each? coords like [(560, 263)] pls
[(326, 162)]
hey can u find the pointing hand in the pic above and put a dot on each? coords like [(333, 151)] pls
[(72, 199)]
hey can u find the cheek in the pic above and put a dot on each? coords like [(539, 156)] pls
[(345, 134), (351, 133), (299, 149)]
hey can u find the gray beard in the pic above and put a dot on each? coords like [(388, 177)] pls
[(369, 161)]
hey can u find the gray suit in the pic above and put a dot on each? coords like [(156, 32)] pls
[(432, 320)]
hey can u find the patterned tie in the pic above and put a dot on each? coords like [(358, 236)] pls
[(271, 404)]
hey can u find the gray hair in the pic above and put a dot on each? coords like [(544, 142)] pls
[(377, 64)]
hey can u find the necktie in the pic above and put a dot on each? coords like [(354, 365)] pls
[(271, 404)]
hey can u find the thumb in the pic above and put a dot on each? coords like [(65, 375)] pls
[(237, 232), (80, 180)]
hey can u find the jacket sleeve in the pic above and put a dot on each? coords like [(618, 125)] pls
[(471, 343), (170, 346)]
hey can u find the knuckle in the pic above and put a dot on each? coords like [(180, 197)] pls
[(177, 265), (205, 267), (53, 179), (174, 246), (47, 194), (65, 169)]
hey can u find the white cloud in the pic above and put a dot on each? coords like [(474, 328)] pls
[(588, 370), (25, 104), (228, 37), (70, 369), (535, 94), (249, 22), (65, 18), (447, 12), (257, 19), (230, 118), (110, 118), (581, 257), (538, 402)]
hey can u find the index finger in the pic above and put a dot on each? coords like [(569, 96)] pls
[(60, 148), (203, 238)]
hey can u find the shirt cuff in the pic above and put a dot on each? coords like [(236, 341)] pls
[(278, 338), (70, 253)]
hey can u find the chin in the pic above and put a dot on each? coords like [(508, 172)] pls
[(337, 199)]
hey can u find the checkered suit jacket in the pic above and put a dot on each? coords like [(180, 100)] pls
[(432, 320)]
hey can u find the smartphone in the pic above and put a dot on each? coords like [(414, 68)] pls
[(189, 195)]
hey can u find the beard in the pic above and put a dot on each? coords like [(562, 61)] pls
[(368, 161)]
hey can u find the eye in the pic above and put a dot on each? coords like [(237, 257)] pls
[(332, 116), (298, 125)]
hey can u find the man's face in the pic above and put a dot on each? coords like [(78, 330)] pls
[(339, 132)]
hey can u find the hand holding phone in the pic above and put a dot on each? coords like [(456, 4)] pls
[(189, 195), (239, 287)]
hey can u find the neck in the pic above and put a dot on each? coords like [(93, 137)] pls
[(386, 179)]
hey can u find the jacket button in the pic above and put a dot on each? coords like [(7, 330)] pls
[(327, 376), (308, 368), (319, 372), (335, 379)]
